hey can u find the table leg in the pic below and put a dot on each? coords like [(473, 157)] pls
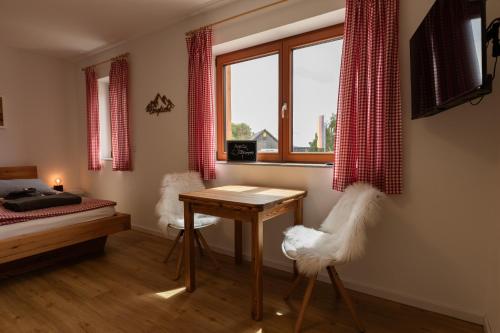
[(238, 242), (257, 280), (298, 220), (189, 269)]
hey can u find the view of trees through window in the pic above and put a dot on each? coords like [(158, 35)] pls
[(241, 131), (329, 134)]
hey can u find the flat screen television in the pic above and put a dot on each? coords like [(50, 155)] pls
[(448, 57)]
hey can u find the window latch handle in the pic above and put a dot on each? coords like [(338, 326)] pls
[(284, 107)]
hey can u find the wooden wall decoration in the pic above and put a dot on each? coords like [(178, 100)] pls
[(159, 104)]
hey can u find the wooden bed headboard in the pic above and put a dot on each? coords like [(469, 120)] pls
[(18, 172)]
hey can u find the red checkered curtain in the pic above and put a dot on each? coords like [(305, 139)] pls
[(368, 135), (118, 105), (201, 104), (93, 153)]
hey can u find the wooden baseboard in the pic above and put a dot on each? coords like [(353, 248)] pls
[(487, 326), (416, 302), (149, 231)]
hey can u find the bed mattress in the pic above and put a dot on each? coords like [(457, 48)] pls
[(33, 226)]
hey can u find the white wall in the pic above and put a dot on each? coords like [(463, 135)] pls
[(493, 313), (433, 247), (37, 118), (493, 308)]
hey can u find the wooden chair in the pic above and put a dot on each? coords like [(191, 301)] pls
[(171, 213), (340, 239)]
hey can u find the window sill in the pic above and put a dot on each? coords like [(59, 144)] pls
[(279, 164), (107, 159)]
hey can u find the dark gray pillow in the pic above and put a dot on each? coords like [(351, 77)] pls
[(12, 185)]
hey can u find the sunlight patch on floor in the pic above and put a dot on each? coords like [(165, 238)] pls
[(170, 293)]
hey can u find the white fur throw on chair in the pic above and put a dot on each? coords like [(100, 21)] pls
[(171, 210), (342, 235)]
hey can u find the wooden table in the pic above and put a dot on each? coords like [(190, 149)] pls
[(241, 204)]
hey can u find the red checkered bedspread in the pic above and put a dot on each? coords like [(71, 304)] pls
[(10, 217)]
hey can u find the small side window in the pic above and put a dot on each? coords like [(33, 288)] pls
[(104, 118)]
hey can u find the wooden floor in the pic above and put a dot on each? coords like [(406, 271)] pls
[(130, 290)]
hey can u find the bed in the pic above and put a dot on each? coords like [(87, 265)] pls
[(38, 243)]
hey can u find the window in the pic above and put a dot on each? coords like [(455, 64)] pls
[(282, 94), (104, 118)]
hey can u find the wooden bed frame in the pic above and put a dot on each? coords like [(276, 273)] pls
[(31, 251)]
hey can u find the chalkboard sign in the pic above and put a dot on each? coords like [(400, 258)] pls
[(242, 150)]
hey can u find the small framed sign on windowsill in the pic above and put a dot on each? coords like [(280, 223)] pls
[(241, 150)]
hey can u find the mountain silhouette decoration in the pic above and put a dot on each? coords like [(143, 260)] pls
[(159, 104)]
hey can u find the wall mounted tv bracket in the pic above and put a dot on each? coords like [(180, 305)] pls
[(492, 34)]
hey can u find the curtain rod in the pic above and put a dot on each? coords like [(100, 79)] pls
[(107, 60), (238, 15)]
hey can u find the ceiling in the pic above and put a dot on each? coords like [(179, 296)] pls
[(70, 28)]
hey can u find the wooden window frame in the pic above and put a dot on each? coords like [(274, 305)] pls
[(283, 48)]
